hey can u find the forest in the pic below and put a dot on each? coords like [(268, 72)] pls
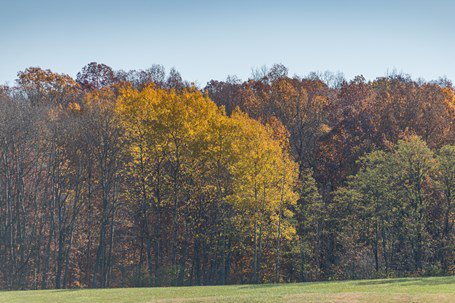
[(138, 178)]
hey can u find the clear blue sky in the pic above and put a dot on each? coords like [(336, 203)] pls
[(212, 39)]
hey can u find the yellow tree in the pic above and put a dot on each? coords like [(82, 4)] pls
[(263, 182), (169, 134), (146, 149)]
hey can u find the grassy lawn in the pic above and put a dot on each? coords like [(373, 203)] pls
[(440, 290)]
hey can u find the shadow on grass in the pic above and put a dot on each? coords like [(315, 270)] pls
[(69, 289), (429, 282), (416, 281), (254, 286), (386, 281)]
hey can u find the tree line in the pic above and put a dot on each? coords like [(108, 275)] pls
[(139, 178)]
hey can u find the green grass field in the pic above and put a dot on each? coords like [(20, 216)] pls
[(440, 290)]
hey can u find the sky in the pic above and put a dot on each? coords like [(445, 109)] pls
[(213, 39)]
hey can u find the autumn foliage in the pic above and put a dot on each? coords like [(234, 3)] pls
[(134, 179)]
